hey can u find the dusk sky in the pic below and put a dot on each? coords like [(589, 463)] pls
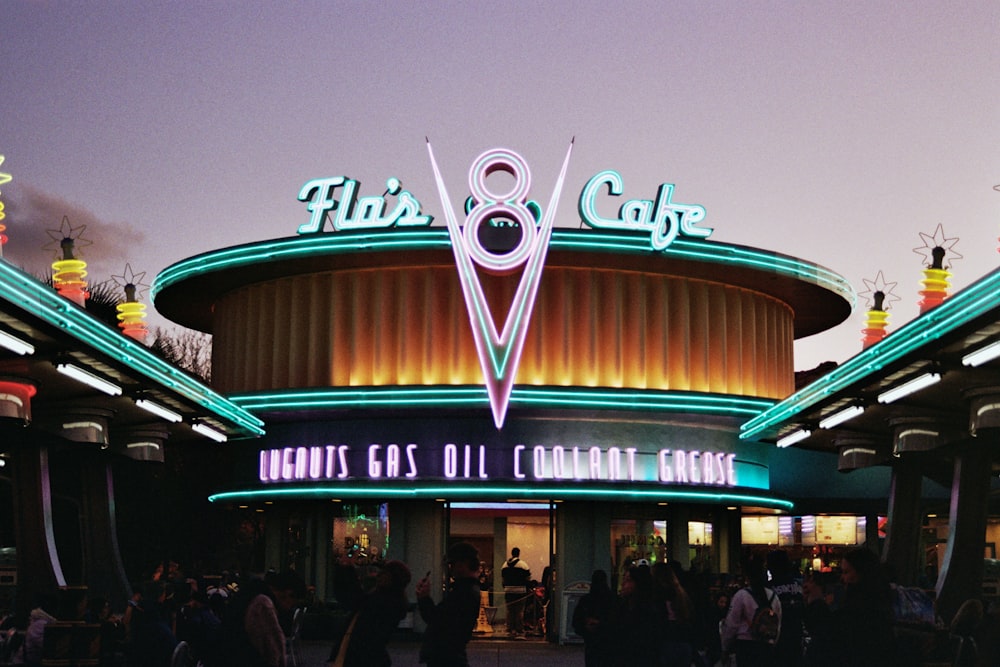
[(833, 131)]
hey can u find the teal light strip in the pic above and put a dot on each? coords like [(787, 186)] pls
[(476, 396), (975, 300), (317, 245), (41, 301), (532, 491)]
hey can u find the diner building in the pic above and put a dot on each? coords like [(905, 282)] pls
[(575, 391)]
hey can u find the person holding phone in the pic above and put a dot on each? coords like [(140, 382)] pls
[(451, 622)]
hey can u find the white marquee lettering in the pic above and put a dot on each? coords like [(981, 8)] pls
[(374, 462), (559, 462), (680, 466), (595, 462), (538, 462), (663, 463), (450, 461), (517, 461), (614, 463), (411, 461)]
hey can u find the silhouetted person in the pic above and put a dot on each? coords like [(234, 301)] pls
[(378, 612), (451, 622), (592, 621)]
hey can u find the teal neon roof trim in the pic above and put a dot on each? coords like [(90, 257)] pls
[(523, 396), (561, 492), (41, 301), (973, 301), (313, 245)]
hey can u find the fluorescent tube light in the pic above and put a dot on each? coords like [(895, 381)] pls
[(90, 379), (15, 344), (842, 416), (907, 388), (982, 355), (209, 432), (798, 436), (158, 410)]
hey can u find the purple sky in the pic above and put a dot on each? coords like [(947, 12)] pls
[(832, 131)]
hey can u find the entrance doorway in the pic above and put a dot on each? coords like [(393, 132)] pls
[(495, 529)]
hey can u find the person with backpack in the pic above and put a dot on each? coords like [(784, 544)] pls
[(753, 624), (515, 575)]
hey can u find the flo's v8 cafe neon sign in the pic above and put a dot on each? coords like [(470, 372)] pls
[(472, 462), (499, 350)]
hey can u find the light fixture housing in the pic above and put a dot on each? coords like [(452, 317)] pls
[(159, 410), (841, 416), (982, 355), (209, 432), (797, 436), (909, 387), (89, 378), (15, 344)]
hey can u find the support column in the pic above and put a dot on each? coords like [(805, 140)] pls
[(38, 566), (902, 543), (424, 547), (677, 532), (961, 576), (104, 572), (727, 539)]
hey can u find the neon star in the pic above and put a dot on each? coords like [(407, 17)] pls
[(128, 277), (879, 285), (66, 231), (938, 240)]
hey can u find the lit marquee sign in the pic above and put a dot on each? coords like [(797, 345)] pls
[(500, 351), (478, 462)]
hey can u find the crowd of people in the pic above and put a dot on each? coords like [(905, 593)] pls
[(768, 615), (240, 621), (663, 616)]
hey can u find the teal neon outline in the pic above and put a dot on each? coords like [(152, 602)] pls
[(553, 491), (41, 301), (476, 396), (595, 240), (975, 300)]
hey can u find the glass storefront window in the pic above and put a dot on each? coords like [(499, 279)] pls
[(361, 532)]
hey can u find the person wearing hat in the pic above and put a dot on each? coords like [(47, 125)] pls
[(451, 622)]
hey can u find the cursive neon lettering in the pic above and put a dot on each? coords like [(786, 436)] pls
[(662, 218), (353, 213)]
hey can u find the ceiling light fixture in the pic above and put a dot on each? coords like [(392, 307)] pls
[(209, 432), (790, 440), (982, 355), (15, 344), (158, 410), (88, 378), (841, 416), (910, 387)]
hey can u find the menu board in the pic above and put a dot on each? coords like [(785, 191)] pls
[(760, 529), (836, 530)]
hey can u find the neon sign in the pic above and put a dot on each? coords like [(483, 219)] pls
[(355, 213), (472, 462), (661, 217), (500, 354)]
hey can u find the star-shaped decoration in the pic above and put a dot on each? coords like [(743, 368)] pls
[(129, 278), (879, 285), (938, 240), (4, 178), (66, 231)]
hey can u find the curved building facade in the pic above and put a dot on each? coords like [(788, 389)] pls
[(583, 406)]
